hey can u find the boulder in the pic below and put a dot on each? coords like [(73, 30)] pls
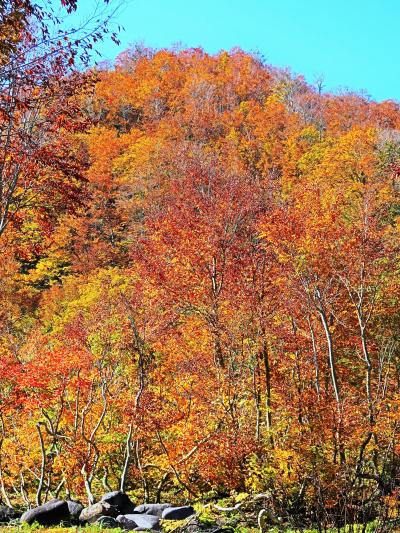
[(94, 512), (155, 509), (125, 523), (75, 509), (135, 520), (177, 513), (107, 522), (8, 513), (120, 500), (48, 514)]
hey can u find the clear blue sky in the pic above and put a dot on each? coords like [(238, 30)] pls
[(354, 44)]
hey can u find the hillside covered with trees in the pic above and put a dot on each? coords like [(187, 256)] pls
[(200, 288)]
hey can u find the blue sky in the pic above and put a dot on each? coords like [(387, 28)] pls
[(354, 44)]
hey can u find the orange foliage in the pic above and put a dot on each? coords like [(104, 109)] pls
[(219, 309)]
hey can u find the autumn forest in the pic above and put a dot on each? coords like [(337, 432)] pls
[(199, 281)]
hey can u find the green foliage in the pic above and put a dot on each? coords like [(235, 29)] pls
[(25, 528)]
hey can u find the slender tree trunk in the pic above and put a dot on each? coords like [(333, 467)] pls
[(138, 459), (217, 279), (298, 372), (315, 358), (59, 488), (92, 448), (257, 399), (335, 384), (127, 458), (267, 371), (42, 467), (161, 484), (368, 367), (173, 467), (104, 480), (24, 494), (88, 485), (2, 486), (3, 489), (331, 357)]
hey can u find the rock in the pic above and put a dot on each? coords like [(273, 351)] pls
[(8, 513), (94, 512), (143, 521), (120, 500), (155, 509), (125, 523), (75, 509), (107, 522), (177, 513), (48, 514)]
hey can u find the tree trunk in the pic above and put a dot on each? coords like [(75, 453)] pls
[(127, 458), (267, 372), (42, 467), (315, 358)]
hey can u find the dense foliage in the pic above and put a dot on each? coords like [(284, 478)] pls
[(203, 294)]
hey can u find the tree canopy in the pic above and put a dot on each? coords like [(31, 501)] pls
[(200, 285)]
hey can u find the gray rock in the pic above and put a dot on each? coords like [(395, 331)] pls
[(8, 513), (107, 521), (120, 500), (48, 514), (144, 521), (75, 509), (93, 512), (177, 513), (125, 523), (155, 509)]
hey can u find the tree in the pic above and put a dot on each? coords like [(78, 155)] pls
[(37, 83)]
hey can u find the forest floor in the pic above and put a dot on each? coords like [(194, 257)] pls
[(9, 529), (209, 518), (370, 528)]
